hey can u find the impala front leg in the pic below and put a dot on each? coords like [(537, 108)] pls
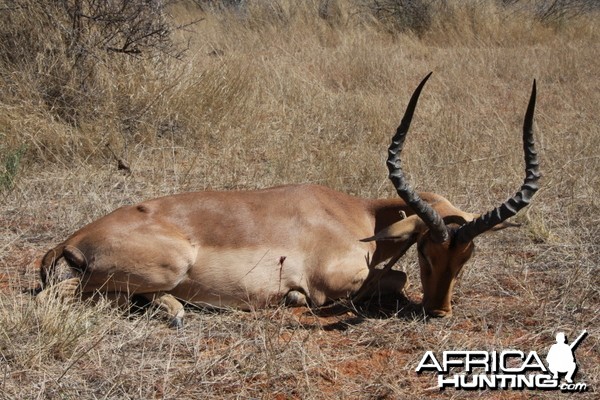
[(382, 282), (392, 282)]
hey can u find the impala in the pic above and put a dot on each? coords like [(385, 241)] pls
[(297, 244)]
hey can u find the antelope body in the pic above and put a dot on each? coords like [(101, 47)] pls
[(301, 244)]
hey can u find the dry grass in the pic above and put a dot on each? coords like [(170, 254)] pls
[(277, 94)]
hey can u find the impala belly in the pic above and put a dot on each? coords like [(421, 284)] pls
[(246, 278), (237, 277)]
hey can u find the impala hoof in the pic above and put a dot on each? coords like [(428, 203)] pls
[(439, 313), (176, 323), (295, 298)]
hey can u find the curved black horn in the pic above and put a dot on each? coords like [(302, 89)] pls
[(522, 198), (431, 218)]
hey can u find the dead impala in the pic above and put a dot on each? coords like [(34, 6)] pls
[(300, 244)]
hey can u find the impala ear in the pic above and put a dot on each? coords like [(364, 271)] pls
[(455, 219), (400, 231), (502, 225)]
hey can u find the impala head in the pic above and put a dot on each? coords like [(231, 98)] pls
[(445, 236)]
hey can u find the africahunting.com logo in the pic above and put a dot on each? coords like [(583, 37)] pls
[(507, 369)]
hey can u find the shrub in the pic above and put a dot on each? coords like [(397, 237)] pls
[(402, 15), (63, 42)]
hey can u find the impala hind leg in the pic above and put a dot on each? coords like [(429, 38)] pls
[(67, 290), (166, 303), (169, 305), (122, 301)]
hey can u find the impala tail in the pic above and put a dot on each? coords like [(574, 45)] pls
[(73, 256)]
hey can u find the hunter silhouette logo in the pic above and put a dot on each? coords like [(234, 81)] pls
[(560, 356), (507, 369)]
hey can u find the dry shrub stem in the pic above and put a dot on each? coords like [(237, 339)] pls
[(273, 92)]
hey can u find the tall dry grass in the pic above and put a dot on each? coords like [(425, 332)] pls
[(282, 92)]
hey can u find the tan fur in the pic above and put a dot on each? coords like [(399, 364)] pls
[(243, 249)]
